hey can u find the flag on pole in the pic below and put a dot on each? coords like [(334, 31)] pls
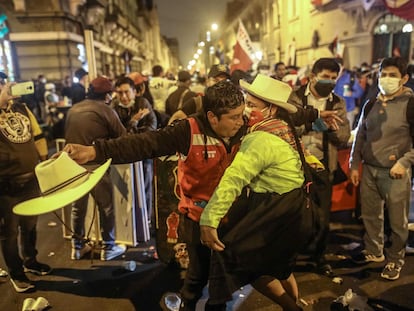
[(336, 48), (243, 51)]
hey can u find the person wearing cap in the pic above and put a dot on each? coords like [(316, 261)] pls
[(78, 91), (137, 115), (86, 122), (323, 140), (193, 105), (262, 246), (183, 93), (217, 73), (22, 147)]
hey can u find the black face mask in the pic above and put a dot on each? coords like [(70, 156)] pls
[(324, 87)]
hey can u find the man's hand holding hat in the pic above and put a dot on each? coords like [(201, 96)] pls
[(80, 153)]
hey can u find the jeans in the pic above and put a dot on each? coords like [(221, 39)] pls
[(102, 194)]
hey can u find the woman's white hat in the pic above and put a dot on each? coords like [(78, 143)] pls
[(270, 90), (61, 181)]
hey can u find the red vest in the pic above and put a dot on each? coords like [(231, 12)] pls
[(198, 176)]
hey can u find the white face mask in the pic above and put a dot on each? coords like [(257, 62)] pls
[(389, 85)]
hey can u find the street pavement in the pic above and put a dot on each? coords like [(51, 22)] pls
[(87, 285)]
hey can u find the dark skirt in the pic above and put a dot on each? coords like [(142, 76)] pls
[(264, 240)]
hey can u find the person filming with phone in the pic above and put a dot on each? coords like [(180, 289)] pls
[(22, 147)]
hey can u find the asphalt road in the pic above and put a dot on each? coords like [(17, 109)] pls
[(87, 285)]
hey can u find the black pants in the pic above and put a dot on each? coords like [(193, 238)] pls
[(324, 194), (263, 242), (13, 223), (198, 269)]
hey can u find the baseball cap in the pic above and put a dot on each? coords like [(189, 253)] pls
[(217, 70), (137, 78), (101, 85)]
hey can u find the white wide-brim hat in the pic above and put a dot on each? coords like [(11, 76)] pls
[(270, 90), (61, 181)]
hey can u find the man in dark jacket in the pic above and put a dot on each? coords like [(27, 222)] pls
[(78, 91), (322, 139), (183, 93), (137, 115), (89, 120)]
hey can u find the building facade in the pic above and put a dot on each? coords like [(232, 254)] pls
[(298, 32), (48, 37)]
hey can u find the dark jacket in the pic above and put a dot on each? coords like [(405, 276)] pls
[(78, 93), (337, 138), (166, 141), (147, 123), (90, 120)]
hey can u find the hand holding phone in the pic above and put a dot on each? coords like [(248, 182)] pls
[(22, 88)]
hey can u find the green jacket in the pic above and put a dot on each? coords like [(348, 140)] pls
[(266, 163)]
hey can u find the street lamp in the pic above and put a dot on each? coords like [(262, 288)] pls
[(209, 47)]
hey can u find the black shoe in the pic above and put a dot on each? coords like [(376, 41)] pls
[(36, 267), (325, 269), (21, 283)]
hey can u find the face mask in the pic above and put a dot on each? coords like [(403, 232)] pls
[(130, 104), (389, 85), (324, 87), (254, 116)]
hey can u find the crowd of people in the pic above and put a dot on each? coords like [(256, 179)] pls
[(245, 147)]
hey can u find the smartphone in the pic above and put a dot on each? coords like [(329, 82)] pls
[(22, 88)]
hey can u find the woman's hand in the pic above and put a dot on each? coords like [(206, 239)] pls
[(209, 238)]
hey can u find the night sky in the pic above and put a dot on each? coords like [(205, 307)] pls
[(186, 19)]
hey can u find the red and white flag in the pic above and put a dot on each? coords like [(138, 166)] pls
[(243, 51)]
